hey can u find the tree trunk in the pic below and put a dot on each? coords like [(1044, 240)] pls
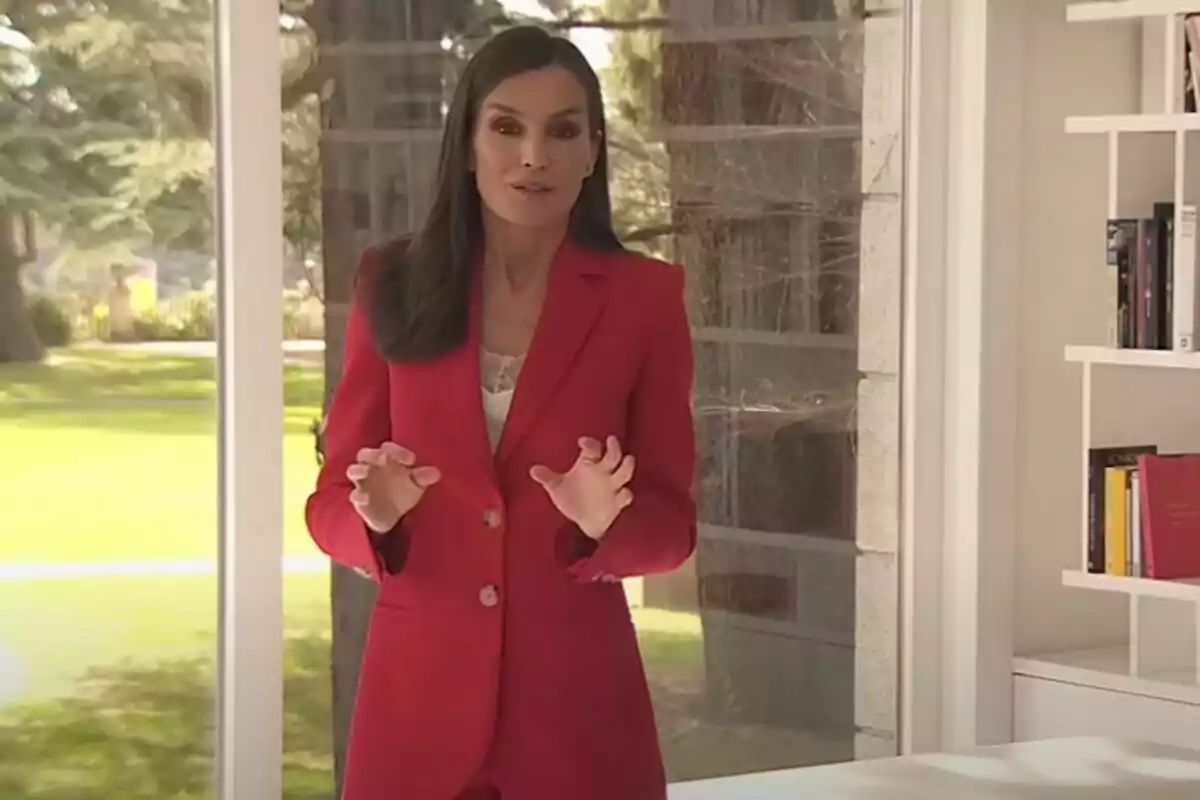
[(351, 595), (370, 192), (18, 339)]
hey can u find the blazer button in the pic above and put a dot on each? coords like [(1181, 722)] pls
[(491, 518), (489, 596)]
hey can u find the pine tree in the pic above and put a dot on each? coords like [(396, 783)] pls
[(107, 113)]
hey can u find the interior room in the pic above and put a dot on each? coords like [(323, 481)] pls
[(940, 279)]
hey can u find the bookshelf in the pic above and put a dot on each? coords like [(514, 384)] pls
[(1106, 10), (1134, 123), (1188, 590), (1111, 356), (1153, 676)]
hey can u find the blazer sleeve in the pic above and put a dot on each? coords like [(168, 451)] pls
[(657, 531), (358, 416)]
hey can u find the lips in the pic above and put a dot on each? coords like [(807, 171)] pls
[(533, 188)]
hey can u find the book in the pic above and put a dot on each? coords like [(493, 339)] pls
[(1116, 519), (1184, 286), (1141, 289), (1100, 459), (1170, 508), (1191, 63), (1121, 236)]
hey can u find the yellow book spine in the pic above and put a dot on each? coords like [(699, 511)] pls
[(1115, 481)]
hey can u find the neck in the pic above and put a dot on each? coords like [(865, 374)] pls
[(520, 255)]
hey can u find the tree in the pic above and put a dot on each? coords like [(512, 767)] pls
[(108, 113), (639, 210), (352, 204), (638, 161), (753, 198), (108, 124)]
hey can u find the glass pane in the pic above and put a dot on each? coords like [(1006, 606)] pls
[(307, 723), (107, 413), (757, 143), (754, 145)]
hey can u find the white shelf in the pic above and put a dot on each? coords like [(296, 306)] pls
[(1159, 657), (1138, 587), (1162, 359), (1134, 123), (1128, 9), (1108, 668)]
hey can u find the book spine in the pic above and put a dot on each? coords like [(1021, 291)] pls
[(1183, 284), (1119, 283), (1115, 483), (1139, 296), (1166, 265), (1095, 529), (1135, 526), (1152, 292)]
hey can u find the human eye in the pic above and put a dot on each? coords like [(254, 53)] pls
[(506, 126), (565, 129)]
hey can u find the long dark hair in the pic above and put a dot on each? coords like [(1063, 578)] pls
[(417, 291)]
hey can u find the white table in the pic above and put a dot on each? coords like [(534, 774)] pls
[(1052, 769)]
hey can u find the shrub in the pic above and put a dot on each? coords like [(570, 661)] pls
[(51, 321), (188, 318), (197, 317), (152, 325)]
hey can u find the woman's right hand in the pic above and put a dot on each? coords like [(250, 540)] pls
[(387, 484)]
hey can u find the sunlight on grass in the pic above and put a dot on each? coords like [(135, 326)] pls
[(85, 375), (132, 731), (113, 456), (106, 682), (58, 629)]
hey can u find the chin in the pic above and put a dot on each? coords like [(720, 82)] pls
[(529, 218)]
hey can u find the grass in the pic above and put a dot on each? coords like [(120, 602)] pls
[(112, 456), (89, 375), (106, 682), (146, 731), (142, 729)]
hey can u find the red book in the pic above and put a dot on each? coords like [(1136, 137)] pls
[(1170, 495)]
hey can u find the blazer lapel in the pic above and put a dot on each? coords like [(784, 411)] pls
[(574, 298)]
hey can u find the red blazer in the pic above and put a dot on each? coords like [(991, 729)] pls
[(501, 643)]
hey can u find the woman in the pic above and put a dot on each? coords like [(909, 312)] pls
[(511, 436)]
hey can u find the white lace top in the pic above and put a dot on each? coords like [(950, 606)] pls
[(497, 379)]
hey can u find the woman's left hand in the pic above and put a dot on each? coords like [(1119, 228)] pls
[(594, 490)]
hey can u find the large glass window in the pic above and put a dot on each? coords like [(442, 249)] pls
[(108, 511), (770, 134), (758, 144)]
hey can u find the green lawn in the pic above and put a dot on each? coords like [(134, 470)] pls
[(106, 681), (111, 456)]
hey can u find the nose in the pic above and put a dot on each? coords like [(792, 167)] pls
[(533, 152)]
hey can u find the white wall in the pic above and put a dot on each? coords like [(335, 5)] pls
[(1070, 69), (1005, 220)]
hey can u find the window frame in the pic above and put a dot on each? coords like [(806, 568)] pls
[(951, 691), (249, 208)]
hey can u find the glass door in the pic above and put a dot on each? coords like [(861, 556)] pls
[(758, 144), (108, 400)]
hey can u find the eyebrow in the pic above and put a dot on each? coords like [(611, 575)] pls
[(566, 112)]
